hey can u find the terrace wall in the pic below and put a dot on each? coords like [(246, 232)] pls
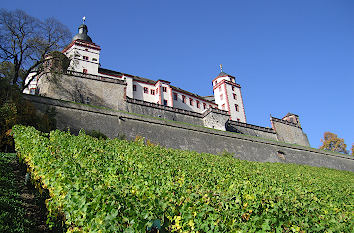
[(187, 137)]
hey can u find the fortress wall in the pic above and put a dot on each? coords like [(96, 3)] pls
[(253, 130), (85, 88), (187, 137), (164, 112), (289, 132)]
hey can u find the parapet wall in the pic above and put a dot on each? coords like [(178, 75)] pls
[(84, 88), (289, 132), (253, 130), (187, 137), (164, 112)]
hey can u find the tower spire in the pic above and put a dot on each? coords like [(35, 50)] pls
[(83, 20), (220, 67)]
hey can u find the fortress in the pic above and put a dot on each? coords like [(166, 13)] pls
[(117, 103)]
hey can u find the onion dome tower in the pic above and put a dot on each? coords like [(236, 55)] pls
[(82, 35), (84, 53)]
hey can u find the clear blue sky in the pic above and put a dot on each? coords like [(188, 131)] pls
[(288, 56)]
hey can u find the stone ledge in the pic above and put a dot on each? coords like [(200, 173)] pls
[(95, 77), (163, 107), (250, 126)]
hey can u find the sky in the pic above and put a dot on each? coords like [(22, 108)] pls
[(288, 56)]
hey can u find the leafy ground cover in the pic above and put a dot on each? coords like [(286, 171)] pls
[(121, 186), (21, 208)]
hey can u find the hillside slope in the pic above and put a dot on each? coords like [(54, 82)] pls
[(117, 185)]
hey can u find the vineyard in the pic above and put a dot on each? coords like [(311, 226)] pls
[(121, 186)]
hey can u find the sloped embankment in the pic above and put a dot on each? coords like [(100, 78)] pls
[(117, 185)]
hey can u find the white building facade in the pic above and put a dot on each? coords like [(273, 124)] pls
[(85, 58)]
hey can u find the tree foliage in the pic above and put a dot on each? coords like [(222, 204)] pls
[(27, 46), (26, 41), (331, 142), (14, 109)]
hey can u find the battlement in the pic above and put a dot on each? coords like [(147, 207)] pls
[(250, 126), (95, 77), (274, 119)]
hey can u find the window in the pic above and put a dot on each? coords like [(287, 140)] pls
[(165, 102), (221, 97), (94, 59), (204, 105), (198, 104), (85, 57), (164, 89), (216, 82), (77, 55), (134, 87), (238, 119), (157, 91), (223, 107), (233, 88), (33, 91), (191, 102), (234, 95), (183, 99), (175, 96), (84, 71), (146, 90), (236, 107), (152, 92), (86, 49)]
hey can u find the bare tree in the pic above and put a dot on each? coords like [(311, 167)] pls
[(26, 41)]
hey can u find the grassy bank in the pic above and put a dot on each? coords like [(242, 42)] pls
[(117, 186)]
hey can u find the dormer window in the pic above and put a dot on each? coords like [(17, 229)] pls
[(183, 99), (94, 59), (191, 102), (164, 89), (85, 58), (146, 90), (84, 71)]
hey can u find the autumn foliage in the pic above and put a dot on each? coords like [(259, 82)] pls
[(331, 142)]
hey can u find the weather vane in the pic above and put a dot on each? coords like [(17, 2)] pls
[(221, 67), (83, 20)]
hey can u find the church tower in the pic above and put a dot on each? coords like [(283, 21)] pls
[(84, 53), (227, 94)]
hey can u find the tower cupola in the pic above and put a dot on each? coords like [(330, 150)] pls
[(82, 35)]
